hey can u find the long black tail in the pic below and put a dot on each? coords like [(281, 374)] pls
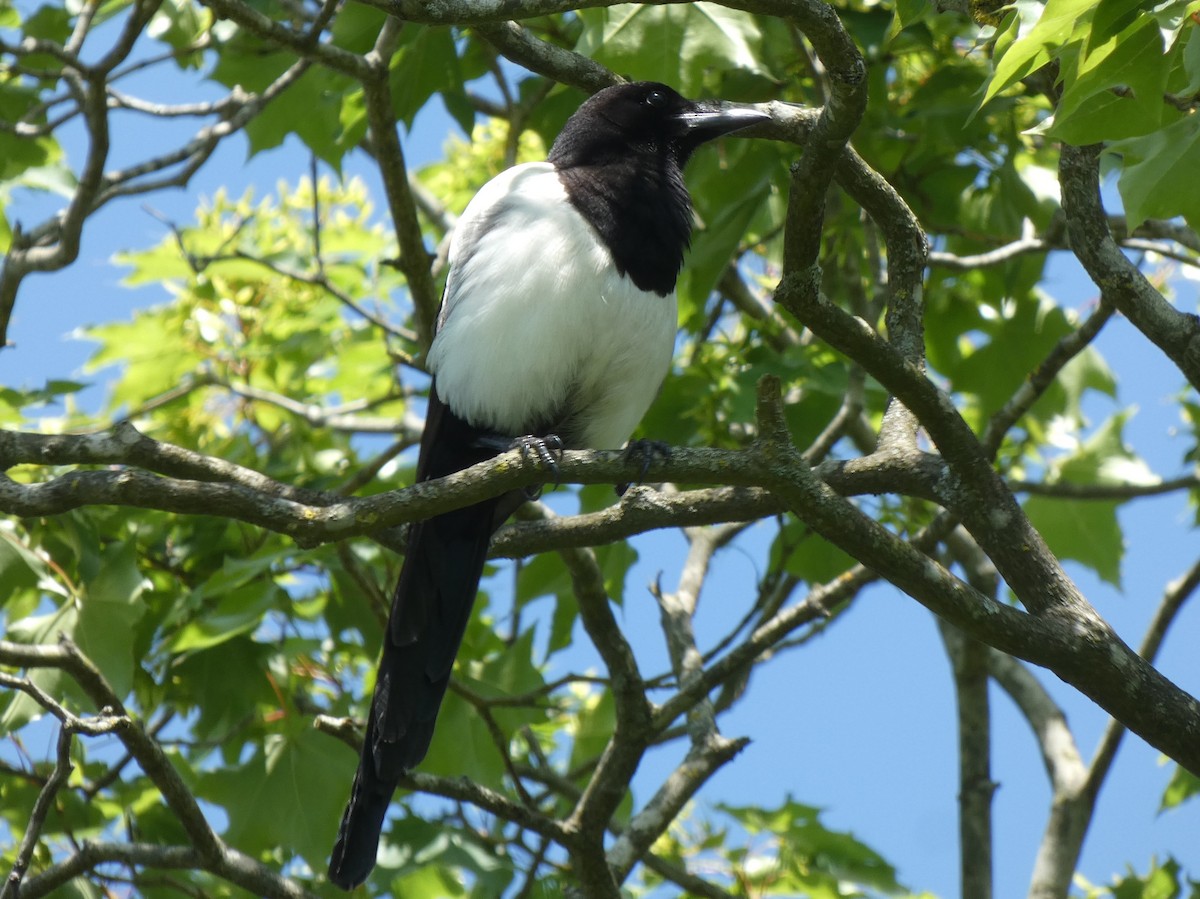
[(429, 614), (430, 610)]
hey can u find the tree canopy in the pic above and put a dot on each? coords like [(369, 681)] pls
[(879, 381)]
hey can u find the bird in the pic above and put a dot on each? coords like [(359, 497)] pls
[(556, 329)]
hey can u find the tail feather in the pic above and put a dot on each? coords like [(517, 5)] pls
[(429, 615)]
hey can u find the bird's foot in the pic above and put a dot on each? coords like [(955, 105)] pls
[(643, 452), (544, 449)]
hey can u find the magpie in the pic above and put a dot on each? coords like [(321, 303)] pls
[(556, 329)]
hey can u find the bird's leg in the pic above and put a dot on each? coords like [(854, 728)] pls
[(643, 451)]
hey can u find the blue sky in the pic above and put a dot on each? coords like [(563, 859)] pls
[(860, 721)]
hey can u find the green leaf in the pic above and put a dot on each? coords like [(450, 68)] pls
[(808, 555), (562, 623), (226, 684), (426, 64), (1191, 63), (1104, 458), (245, 61), (40, 630), (1087, 530), (301, 770), (1084, 530), (593, 728), (1161, 882), (1173, 16), (1021, 333), (20, 567), (1105, 116), (615, 560), (462, 745), (52, 22), (181, 24), (22, 157), (911, 11), (428, 881), (543, 575), (1132, 58), (1059, 22), (1158, 177), (311, 108), (730, 186), (101, 620), (239, 612), (1183, 786), (1110, 18), (807, 857), (78, 888), (109, 608), (428, 860), (232, 602), (1087, 372), (680, 44)]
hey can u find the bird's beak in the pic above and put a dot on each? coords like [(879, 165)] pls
[(706, 121)]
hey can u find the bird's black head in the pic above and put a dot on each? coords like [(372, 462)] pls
[(644, 116), (620, 158)]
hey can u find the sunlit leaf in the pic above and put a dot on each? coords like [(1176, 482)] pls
[(1183, 786), (1058, 23)]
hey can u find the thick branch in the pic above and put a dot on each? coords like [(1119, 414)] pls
[(203, 485), (975, 493), (1080, 648)]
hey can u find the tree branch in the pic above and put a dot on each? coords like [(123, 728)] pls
[(709, 750), (198, 484), (41, 807), (611, 776), (1072, 641), (1176, 333), (969, 664), (414, 259), (519, 45)]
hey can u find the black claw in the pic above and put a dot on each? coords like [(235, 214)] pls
[(645, 452), (545, 448)]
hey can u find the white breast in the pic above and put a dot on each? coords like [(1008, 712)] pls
[(536, 316)]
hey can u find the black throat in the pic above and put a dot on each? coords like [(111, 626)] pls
[(640, 207)]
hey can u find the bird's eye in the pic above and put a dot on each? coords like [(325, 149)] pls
[(657, 99)]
